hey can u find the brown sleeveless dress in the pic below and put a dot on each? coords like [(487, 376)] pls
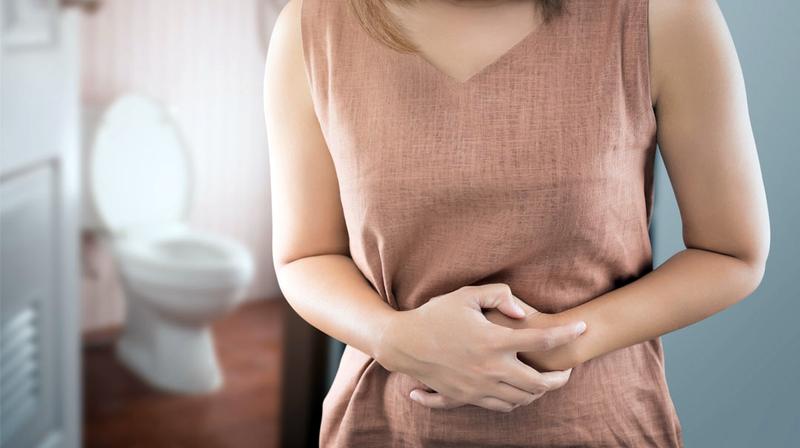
[(536, 172)]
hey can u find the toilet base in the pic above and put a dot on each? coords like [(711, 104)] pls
[(170, 356)]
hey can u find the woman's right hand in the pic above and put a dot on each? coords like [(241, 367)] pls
[(449, 345)]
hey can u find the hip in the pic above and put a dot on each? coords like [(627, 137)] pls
[(618, 399)]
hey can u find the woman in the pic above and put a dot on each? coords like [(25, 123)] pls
[(432, 160)]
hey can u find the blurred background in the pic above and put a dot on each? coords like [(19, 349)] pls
[(138, 301)]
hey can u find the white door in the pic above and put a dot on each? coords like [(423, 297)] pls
[(39, 303)]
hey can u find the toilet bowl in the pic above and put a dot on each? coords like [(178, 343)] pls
[(177, 280)]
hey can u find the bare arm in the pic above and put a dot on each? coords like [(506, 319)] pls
[(707, 144), (310, 245), (324, 286)]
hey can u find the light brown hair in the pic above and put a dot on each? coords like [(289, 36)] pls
[(378, 22)]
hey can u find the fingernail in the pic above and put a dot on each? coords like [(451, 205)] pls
[(520, 310), (581, 327), (412, 395)]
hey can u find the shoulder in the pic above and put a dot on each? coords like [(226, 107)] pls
[(285, 51), (287, 29), (303, 33), (286, 83), (686, 37)]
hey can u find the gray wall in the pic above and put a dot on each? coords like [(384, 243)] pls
[(734, 377)]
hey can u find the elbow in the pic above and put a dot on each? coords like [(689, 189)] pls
[(757, 261), (279, 263), (757, 271), (741, 272), (745, 262), (755, 266), (282, 259), (287, 264), (285, 273)]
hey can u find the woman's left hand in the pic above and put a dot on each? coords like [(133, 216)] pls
[(559, 358)]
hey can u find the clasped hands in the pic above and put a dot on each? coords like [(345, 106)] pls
[(499, 360)]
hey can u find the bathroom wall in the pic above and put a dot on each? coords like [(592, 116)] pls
[(204, 60)]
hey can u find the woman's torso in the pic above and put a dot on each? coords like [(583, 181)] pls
[(535, 172)]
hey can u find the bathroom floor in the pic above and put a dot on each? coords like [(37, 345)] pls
[(121, 411)]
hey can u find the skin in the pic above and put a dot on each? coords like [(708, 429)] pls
[(472, 360), (707, 144), (461, 37)]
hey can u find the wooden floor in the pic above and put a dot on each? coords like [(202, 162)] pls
[(121, 411)]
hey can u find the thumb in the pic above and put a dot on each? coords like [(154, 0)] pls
[(499, 296), (434, 399)]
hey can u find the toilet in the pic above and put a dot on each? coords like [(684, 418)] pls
[(177, 280)]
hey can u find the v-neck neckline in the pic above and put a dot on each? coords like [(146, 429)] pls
[(486, 69)]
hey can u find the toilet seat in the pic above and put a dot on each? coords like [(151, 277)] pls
[(182, 257), (139, 172), (140, 177)]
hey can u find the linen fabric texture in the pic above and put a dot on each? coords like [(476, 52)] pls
[(536, 172)]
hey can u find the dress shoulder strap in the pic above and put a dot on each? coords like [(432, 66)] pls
[(329, 44)]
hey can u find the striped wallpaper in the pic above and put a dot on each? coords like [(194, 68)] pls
[(204, 60)]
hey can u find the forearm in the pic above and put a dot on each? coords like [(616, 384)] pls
[(690, 286), (331, 294)]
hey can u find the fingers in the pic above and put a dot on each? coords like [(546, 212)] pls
[(538, 396), (556, 378), (511, 394), (436, 400), (496, 404), (530, 380), (499, 296), (541, 339)]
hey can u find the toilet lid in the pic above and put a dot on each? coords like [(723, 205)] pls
[(139, 170)]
